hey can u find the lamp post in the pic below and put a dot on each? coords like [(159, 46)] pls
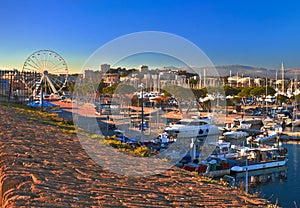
[(142, 108), (43, 82), (10, 86), (266, 97), (42, 92), (142, 124)]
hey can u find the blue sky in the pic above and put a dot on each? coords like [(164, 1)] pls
[(256, 33)]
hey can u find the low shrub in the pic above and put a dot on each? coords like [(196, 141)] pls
[(142, 151)]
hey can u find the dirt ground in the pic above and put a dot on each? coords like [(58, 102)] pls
[(43, 167)]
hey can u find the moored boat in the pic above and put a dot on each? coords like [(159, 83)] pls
[(269, 132), (272, 127), (211, 167), (296, 123), (235, 134), (192, 128), (253, 123), (260, 158), (216, 167), (267, 137), (224, 150)]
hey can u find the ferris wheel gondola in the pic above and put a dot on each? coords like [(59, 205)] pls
[(46, 73)]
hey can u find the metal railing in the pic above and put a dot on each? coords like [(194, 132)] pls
[(14, 85)]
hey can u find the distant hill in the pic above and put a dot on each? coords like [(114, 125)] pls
[(245, 71), (294, 73), (251, 71)]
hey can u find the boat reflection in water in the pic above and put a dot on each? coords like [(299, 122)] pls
[(261, 177)]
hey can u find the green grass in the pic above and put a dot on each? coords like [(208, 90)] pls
[(43, 117), (141, 151)]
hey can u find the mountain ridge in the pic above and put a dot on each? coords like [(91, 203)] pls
[(245, 70)]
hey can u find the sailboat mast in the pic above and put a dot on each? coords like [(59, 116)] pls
[(276, 81), (282, 76), (296, 103), (266, 96), (204, 79)]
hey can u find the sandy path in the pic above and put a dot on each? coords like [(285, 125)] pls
[(43, 167)]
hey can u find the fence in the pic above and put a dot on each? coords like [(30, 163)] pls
[(15, 85)]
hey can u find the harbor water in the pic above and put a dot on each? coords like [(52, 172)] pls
[(279, 185)]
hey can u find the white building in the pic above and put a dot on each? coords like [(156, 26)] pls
[(88, 74), (143, 68)]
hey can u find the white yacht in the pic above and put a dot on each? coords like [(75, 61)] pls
[(192, 128)]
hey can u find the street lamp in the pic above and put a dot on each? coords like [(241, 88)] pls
[(42, 95), (42, 90), (142, 124)]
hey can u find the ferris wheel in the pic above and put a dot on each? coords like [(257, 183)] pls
[(46, 72)]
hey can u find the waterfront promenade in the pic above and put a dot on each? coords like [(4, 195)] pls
[(40, 166)]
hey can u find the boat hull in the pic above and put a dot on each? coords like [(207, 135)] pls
[(188, 132), (216, 173), (259, 166), (235, 135), (267, 138)]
